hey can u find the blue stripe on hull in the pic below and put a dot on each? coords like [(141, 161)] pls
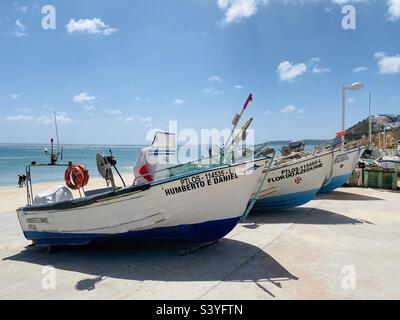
[(336, 182), (286, 201), (190, 233)]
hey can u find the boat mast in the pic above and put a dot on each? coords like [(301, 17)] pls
[(58, 142)]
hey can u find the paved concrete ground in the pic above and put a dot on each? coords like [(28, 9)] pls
[(345, 245)]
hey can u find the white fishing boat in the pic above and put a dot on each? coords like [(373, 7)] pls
[(343, 166), (196, 202), (390, 162), (390, 159), (345, 160), (293, 180)]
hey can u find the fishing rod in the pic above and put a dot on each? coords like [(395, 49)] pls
[(242, 134), (237, 118)]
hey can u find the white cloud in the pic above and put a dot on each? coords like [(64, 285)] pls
[(19, 7), (83, 97), (342, 2), (329, 10), (351, 100), (360, 69), (288, 71), (214, 79), (316, 68), (179, 101), (212, 91), (146, 121), (62, 117), (113, 111), (142, 99), (394, 9), (291, 109), (319, 70), (388, 64), (288, 109), (238, 86), (23, 109), (14, 96), (88, 107), (18, 118), (20, 29), (93, 26), (314, 60), (236, 10), (267, 113)]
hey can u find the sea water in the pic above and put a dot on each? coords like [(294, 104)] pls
[(15, 157)]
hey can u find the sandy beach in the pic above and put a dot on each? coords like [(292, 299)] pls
[(13, 197)]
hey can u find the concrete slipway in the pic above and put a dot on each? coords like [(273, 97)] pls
[(344, 245)]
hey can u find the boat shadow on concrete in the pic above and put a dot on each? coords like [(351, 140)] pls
[(345, 196), (300, 215), (228, 261)]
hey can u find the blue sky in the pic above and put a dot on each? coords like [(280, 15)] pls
[(115, 69)]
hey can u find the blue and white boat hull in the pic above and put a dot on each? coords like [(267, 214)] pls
[(343, 167), (295, 182), (195, 207)]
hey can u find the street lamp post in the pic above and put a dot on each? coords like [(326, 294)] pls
[(354, 86), (369, 123)]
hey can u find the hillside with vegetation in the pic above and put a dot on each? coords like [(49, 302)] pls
[(384, 122)]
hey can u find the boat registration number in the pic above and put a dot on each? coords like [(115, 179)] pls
[(202, 180), (341, 158), (295, 171)]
